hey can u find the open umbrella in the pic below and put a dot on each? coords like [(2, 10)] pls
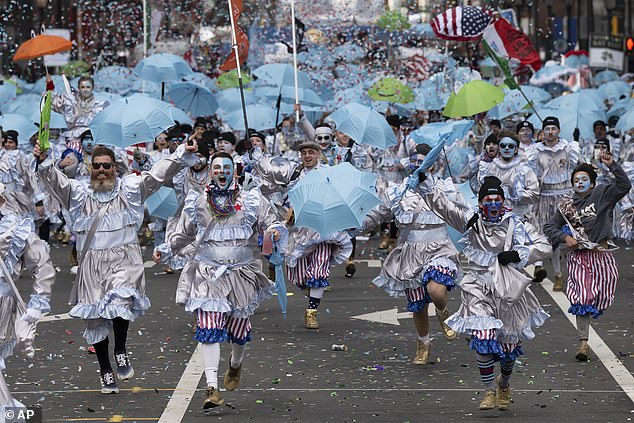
[(307, 97), (621, 107), (229, 99), (614, 90), (585, 99), (391, 90), (626, 122), (115, 78), (19, 123), (474, 97), (605, 76), (514, 102), (8, 93), (280, 74), (334, 198), (193, 98), (570, 119), (41, 45), (131, 120), (230, 80), (162, 67), (363, 125), (163, 203), (550, 72), (261, 117), (432, 133)]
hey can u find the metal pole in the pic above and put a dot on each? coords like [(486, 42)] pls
[(295, 57), (234, 39), (144, 28)]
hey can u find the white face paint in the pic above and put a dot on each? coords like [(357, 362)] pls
[(222, 172), (225, 146), (85, 89), (581, 182)]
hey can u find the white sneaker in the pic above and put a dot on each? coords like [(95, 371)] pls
[(73, 270)]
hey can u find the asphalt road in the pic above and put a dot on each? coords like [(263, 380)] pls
[(292, 374)]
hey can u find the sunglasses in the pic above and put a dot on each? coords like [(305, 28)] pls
[(324, 138), (106, 166), (507, 145)]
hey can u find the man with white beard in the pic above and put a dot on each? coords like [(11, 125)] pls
[(106, 213)]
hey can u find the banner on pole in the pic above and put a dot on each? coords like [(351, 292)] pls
[(242, 40)]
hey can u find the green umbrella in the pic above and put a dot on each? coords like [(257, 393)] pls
[(474, 97), (76, 68), (230, 80), (391, 90)]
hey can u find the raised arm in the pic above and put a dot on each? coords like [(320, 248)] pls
[(38, 263), (55, 181), (165, 169)]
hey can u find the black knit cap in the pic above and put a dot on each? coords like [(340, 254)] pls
[(550, 120), (490, 186), (603, 141), (496, 122), (200, 122), (524, 124), (585, 167), (228, 136), (423, 149), (492, 139), (256, 134), (12, 135), (204, 146)]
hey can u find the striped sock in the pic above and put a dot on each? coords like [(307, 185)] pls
[(486, 364), (506, 369)]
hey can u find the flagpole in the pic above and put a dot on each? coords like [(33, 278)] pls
[(144, 28), (277, 118), (234, 39), (295, 57)]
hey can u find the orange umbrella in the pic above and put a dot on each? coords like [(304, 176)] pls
[(42, 45)]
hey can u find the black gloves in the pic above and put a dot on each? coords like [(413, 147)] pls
[(575, 134), (421, 177), (506, 257)]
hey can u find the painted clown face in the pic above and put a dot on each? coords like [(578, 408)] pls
[(222, 172), (508, 148), (581, 183), (492, 207), (85, 89)]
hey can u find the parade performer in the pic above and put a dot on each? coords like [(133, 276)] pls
[(20, 247), (223, 282), (552, 161), (584, 224), (78, 108), (498, 310), (424, 265), (106, 212), (519, 182)]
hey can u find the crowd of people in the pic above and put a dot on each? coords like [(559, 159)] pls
[(538, 195)]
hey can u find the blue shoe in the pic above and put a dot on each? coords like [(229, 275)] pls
[(108, 384)]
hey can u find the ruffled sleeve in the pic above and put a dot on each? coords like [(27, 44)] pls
[(519, 242), (68, 192), (165, 170), (38, 261), (185, 232)]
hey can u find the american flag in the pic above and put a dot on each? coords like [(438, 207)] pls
[(419, 67), (462, 23)]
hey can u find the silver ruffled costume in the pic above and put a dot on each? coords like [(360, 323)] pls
[(110, 279), (223, 275), (424, 251), (20, 248), (483, 309)]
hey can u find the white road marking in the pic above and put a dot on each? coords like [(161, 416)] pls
[(187, 385), (370, 263), (54, 317), (616, 368), (390, 316)]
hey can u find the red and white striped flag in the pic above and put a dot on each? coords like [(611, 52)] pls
[(462, 23)]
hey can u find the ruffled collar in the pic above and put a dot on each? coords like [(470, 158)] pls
[(562, 144), (502, 164)]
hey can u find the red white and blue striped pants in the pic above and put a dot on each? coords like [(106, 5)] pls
[(592, 278)]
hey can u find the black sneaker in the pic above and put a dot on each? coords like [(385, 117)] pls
[(540, 274), (351, 269), (124, 369), (108, 384)]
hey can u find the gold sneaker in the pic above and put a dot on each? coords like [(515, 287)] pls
[(504, 397), (422, 352), (310, 319), (446, 330), (385, 241), (391, 245), (490, 401), (558, 283), (213, 398), (232, 377), (583, 351)]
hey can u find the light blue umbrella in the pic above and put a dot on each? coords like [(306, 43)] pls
[(229, 99), (577, 61), (432, 133), (514, 102), (550, 72), (8, 93), (202, 79), (281, 74), (24, 104), (162, 67), (317, 58), (570, 119), (536, 94), (106, 96), (333, 198), (193, 98), (585, 99), (117, 79), (349, 95), (163, 203), (621, 107), (277, 260), (614, 90), (626, 122), (131, 120), (423, 29), (19, 123), (261, 117), (605, 76), (306, 96), (363, 125)]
